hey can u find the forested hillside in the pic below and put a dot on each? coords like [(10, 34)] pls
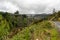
[(21, 27)]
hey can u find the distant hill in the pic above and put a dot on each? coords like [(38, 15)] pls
[(41, 16)]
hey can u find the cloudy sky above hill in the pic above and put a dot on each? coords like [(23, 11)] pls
[(29, 6)]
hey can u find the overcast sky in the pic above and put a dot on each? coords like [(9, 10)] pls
[(29, 6)]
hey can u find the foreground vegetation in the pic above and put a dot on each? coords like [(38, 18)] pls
[(41, 31)]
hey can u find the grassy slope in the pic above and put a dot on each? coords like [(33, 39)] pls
[(4, 28), (42, 31)]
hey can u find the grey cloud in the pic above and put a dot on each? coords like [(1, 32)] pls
[(34, 6)]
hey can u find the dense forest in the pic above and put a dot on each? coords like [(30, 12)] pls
[(15, 26)]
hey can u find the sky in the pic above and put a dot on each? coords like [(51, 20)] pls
[(30, 6)]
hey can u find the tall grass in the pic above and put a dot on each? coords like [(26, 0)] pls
[(40, 31)]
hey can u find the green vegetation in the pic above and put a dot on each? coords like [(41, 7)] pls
[(4, 28), (20, 27), (41, 31)]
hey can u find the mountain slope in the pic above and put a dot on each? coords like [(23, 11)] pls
[(40, 31)]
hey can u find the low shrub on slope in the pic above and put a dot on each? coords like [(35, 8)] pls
[(41, 31), (4, 28)]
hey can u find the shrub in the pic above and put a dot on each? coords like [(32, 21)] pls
[(4, 28)]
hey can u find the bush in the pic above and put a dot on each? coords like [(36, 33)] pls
[(4, 28), (37, 31)]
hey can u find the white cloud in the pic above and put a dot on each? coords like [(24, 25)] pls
[(8, 6), (30, 6)]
